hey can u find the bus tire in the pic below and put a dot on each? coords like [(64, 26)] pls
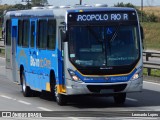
[(120, 98), (60, 98), (52, 85), (27, 92)]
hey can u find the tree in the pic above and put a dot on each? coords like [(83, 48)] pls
[(39, 2), (121, 4), (19, 6), (152, 18), (146, 17)]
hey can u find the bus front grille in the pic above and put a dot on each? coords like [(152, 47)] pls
[(98, 88)]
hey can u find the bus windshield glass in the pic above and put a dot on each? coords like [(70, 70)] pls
[(109, 46)]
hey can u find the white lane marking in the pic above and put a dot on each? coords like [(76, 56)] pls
[(132, 99), (45, 109), (151, 83), (24, 102), (73, 118), (2, 58), (4, 96)]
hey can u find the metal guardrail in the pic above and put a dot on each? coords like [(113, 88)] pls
[(151, 64), (2, 47), (146, 64)]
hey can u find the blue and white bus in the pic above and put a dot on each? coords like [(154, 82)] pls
[(75, 51)]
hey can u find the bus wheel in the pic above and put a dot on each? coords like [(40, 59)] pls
[(60, 98), (27, 92), (120, 98)]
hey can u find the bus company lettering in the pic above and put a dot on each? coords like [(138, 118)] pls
[(40, 62), (34, 62), (119, 78), (102, 17)]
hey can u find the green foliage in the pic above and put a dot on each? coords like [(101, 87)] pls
[(152, 18), (151, 35), (154, 72), (144, 17), (19, 6), (121, 4), (39, 2)]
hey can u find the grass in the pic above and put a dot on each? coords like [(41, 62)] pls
[(155, 10), (0, 32), (151, 10), (154, 72), (151, 32), (2, 53), (151, 29), (152, 35)]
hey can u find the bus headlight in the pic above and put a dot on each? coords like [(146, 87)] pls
[(75, 78), (73, 75), (137, 75)]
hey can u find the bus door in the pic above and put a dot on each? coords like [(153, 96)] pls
[(32, 46), (14, 32), (61, 57)]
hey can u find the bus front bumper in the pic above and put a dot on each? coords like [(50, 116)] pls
[(81, 88)]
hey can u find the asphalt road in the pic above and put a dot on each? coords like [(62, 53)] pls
[(11, 99)]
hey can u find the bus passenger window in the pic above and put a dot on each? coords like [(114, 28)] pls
[(42, 34), (20, 32), (51, 39), (32, 35), (25, 41), (8, 32)]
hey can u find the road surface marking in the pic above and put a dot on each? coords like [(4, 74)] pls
[(6, 97), (151, 83), (73, 118), (132, 99), (2, 58), (10, 98), (45, 109), (24, 102)]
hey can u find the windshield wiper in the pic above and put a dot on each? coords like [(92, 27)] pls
[(115, 34)]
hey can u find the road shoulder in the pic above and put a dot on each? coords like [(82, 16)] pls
[(151, 79)]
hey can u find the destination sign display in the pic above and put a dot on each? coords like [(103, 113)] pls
[(101, 17)]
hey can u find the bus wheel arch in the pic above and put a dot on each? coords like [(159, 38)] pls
[(27, 92), (59, 98)]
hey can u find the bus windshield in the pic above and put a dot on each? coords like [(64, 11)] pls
[(97, 46)]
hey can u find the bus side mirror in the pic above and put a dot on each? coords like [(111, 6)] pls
[(142, 36), (63, 35), (63, 32)]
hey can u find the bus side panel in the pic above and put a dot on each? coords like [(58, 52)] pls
[(22, 58), (48, 61), (36, 81), (8, 62), (44, 61)]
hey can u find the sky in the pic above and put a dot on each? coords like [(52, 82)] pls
[(91, 2)]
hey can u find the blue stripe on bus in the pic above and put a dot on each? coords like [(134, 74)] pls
[(106, 79)]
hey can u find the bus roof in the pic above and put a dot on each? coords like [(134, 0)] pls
[(61, 12)]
